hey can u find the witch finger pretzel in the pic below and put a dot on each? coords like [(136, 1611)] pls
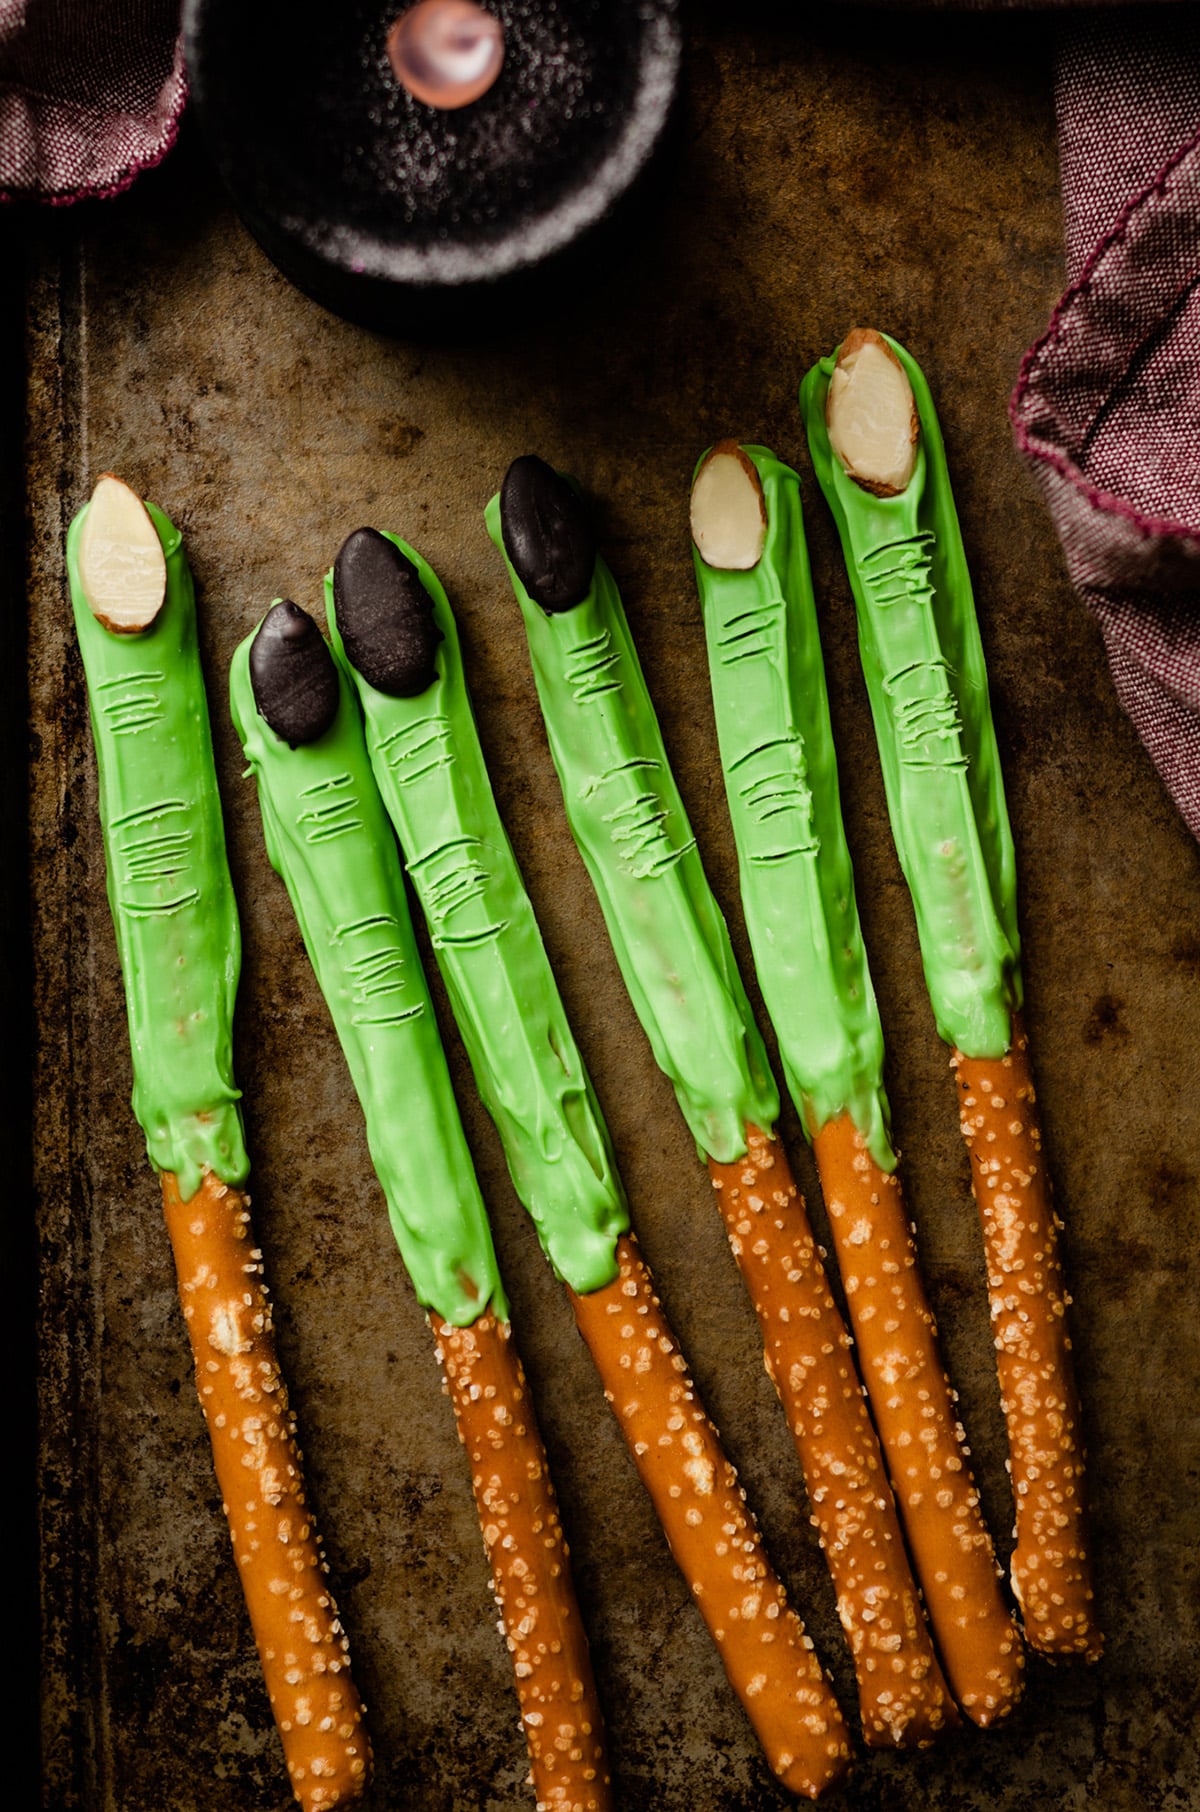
[(877, 451)]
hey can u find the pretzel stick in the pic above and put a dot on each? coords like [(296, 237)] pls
[(771, 1663), (915, 1412), (878, 454), (391, 619), (560, 1711), (903, 1696), (302, 732), (1051, 1571), (177, 934), (797, 884), (257, 1459), (674, 952)]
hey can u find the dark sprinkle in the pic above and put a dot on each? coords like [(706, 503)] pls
[(293, 674), (547, 534), (385, 615)]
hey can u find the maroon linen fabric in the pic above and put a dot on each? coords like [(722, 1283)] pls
[(1107, 406), (90, 95)]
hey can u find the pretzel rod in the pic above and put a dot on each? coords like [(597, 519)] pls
[(177, 934), (770, 1662), (257, 1459), (674, 952), (530, 1572), (877, 450), (1051, 1572), (903, 1697), (390, 618), (329, 838), (797, 885), (916, 1413)]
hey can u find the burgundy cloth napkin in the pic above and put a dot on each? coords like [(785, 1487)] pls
[(1107, 406), (90, 95)]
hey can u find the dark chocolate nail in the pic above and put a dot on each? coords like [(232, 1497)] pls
[(385, 615), (293, 674), (547, 534)]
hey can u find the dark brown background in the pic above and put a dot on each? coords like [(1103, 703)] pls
[(856, 169)]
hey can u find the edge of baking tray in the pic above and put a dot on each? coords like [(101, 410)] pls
[(18, 1325)]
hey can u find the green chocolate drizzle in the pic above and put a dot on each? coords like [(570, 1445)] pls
[(628, 820), (430, 769), (768, 683), (328, 835), (168, 879), (927, 681)]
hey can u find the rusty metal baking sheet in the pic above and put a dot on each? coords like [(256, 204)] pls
[(827, 173)]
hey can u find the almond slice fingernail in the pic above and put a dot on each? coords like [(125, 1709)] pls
[(871, 415), (729, 511), (122, 568)]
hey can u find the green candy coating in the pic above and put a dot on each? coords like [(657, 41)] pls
[(927, 681), (632, 831), (431, 773), (328, 836), (172, 900), (780, 767)]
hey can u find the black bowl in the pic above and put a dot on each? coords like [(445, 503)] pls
[(393, 213)]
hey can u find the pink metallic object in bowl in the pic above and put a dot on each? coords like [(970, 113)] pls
[(447, 53)]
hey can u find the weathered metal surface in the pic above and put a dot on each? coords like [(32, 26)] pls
[(828, 174)]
